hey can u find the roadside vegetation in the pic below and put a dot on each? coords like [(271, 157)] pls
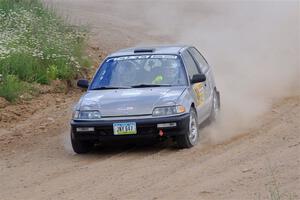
[(36, 47)]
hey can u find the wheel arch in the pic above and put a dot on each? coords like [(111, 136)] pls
[(194, 107)]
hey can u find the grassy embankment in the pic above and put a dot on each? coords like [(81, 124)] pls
[(36, 47)]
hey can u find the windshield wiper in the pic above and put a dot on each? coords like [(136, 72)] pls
[(110, 87), (150, 85)]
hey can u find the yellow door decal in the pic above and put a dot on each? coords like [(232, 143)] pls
[(199, 91)]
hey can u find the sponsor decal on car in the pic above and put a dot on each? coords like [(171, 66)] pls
[(199, 91)]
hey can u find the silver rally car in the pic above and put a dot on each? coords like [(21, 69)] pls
[(150, 92)]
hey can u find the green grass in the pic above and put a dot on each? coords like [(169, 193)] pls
[(37, 46), (11, 88)]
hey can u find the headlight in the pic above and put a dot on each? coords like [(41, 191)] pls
[(168, 110), (86, 114)]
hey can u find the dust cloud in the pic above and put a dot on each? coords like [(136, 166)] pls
[(253, 47)]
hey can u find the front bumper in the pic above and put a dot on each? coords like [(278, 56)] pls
[(146, 128)]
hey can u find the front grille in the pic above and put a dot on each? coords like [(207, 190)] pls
[(104, 131), (147, 130)]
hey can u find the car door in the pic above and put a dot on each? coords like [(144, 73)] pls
[(197, 89), (208, 85)]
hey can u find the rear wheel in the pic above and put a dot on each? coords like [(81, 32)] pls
[(189, 139), (81, 146), (215, 110)]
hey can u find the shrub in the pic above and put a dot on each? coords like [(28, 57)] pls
[(36, 45), (11, 88)]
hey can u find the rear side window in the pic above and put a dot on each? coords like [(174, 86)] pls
[(199, 59), (190, 64)]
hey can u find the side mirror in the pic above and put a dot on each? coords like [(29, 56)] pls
[(83, 83), (197, 78)]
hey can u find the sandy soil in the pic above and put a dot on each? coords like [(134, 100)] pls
[(41, 165), (36, 160)]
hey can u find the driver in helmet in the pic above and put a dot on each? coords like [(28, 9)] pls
[(168, 74)]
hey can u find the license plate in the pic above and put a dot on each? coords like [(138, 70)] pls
[(128, 128)]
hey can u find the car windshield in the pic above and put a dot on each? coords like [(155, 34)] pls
[(140, 71)]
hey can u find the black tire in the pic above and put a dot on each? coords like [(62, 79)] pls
[(189, 139), (215, 110), (81, 146)]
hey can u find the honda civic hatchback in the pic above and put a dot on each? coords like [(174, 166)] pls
[(146, 93)]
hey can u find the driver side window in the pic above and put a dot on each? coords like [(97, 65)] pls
[(199, 59), (190, 64)]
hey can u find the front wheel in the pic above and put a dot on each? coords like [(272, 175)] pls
[(189, 139), (80, 146)]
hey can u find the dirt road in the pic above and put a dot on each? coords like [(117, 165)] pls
[(40, 165), (253, 156)]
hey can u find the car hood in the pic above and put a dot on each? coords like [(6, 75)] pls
[(129, 102)]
